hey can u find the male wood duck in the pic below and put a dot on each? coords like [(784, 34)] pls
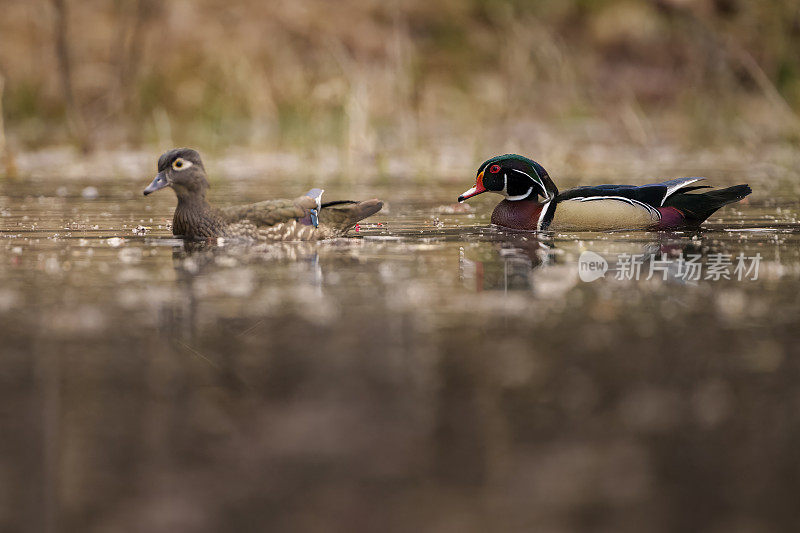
[(657, 206), (304, 218)]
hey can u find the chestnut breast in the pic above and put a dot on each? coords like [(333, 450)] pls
[(522, 214)]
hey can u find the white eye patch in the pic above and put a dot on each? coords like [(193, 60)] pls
[(181, 164)]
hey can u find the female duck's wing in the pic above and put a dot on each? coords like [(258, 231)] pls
[(271, 212), (344, 214), (305, 218)]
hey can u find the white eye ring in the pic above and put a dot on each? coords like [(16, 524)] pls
[(181, 164)]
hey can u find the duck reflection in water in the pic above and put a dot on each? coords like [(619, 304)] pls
[(506, 265), (206, 268), (517, 262)]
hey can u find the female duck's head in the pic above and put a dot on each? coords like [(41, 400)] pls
[(182, 169), (515, 177)]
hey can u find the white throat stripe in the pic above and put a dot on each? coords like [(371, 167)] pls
[(519, 196)]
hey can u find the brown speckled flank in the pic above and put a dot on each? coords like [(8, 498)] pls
[(268, 221)]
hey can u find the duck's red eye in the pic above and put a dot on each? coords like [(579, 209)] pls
[(494, 169)]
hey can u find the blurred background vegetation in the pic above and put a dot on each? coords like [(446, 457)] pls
[(370, 77)]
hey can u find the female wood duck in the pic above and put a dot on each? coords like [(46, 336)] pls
[(305, 218), (658, 206)]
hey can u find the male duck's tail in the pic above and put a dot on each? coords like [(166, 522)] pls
[(697, 207)]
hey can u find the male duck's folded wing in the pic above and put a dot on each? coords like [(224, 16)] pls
[(653, 194)]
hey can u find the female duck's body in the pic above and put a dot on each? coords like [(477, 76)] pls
[(304, 218)]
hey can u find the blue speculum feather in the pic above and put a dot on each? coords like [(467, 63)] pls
[(316, 194)]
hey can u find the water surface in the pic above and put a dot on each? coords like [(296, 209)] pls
[(429, 373)]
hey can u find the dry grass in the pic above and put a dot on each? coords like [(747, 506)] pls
[(367, 78)]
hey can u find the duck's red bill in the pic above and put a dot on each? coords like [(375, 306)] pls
[(476, 190)]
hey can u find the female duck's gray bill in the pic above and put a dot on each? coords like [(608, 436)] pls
[(159, 182)]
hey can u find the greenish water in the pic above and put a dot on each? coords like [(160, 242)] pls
[(431, 373)]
